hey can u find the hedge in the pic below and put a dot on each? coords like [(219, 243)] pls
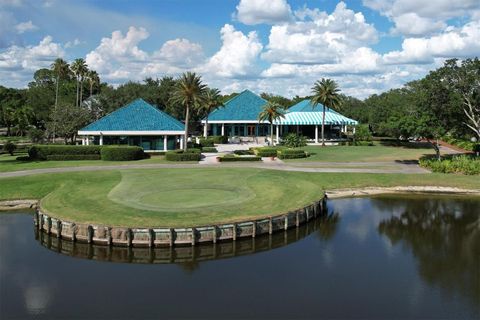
[(209, 149), (457, 164), (231, 158), (219, 139), (40, 152), (121, 153), (206, 142), (244, 152), (266, 152), (67, 157), (180, 155), (291, 154)]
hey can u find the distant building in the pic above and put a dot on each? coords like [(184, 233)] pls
[(137, 124), (239, 118)]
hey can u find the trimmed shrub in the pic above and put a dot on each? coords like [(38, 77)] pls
[(232, 158), (121, 153), (9, 147), (244, 152), (206, 142), (293, 140), (266, 152), (40, 152), (219, 139), (291, 154), (456, 164), (362, 133), (67, 157), (209, 149), (180, 155)]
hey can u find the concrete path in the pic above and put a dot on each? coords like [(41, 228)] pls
[(265, 164)]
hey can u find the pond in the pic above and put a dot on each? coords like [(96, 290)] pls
[(380, 257)]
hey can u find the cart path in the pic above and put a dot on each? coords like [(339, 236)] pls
[(357, 167)]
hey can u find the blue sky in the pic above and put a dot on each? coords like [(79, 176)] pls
[(279, 46)]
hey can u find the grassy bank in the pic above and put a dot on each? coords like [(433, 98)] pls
[(182, 197)]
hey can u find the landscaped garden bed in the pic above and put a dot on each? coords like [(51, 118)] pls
[(464, 164), (235, 158)]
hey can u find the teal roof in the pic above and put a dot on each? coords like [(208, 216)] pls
[(315, 118), (136, 116), (243, 107), (306, 106)]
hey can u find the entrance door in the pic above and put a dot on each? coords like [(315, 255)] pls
[(251, 131)]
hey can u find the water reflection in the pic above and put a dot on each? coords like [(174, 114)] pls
[(444, 237)]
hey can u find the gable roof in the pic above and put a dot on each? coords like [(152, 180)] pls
[(244, 107), (315, 118), (136, 116), (306, 106)]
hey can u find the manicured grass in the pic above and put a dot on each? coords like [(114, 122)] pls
[(374, 153), (9, 163), (200, 196)]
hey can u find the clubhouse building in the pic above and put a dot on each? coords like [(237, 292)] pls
[(141, 124), (238, 119)]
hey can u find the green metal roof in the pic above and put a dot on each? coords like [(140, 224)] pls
[(315, 118), (244, 107), (136, 116)]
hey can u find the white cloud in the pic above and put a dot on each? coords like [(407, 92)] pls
[(180, 52), (318, 37), (420, 18), (237, 56), (454, 42), (413, 25), (119, 55), (25, 26), (253, 12)]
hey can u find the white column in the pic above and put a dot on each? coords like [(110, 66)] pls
[(223, 129), (278, 134), (88, 140), (205, 130), (353, 130), (165, 141), (101, 140), (316, 133), (83, 141), (181, 142)]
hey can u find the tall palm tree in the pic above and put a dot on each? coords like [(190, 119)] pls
[(61, 69), (325, 92), (271, 112), (189, 91), (213, 100), (79, 67), (93, 80)]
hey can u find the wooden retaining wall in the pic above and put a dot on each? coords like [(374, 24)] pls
[(153, 237)]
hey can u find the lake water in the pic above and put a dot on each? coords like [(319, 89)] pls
[(381, 257)]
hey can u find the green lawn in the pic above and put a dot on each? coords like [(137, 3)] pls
[(186, 197), (9, 163), (376, 153)]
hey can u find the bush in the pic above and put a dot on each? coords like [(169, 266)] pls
[(121, 153), (363, 143), (291, 154), (244, 152), (293, 140), (362, 133), (9, 147), (206, 142), (67, 157), (40, 152), (455, 164), (219, 139), (209, 149), (232, 158), (266, 152), (36, 135), (180, 155), (193, 145)]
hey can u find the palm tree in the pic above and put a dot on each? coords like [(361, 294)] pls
[(79, 67), (60, 68), (271, 112), (325, 92), (189, 92), (93, 80), (213, 100)]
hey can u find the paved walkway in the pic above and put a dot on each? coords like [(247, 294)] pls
[(266, 164)]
